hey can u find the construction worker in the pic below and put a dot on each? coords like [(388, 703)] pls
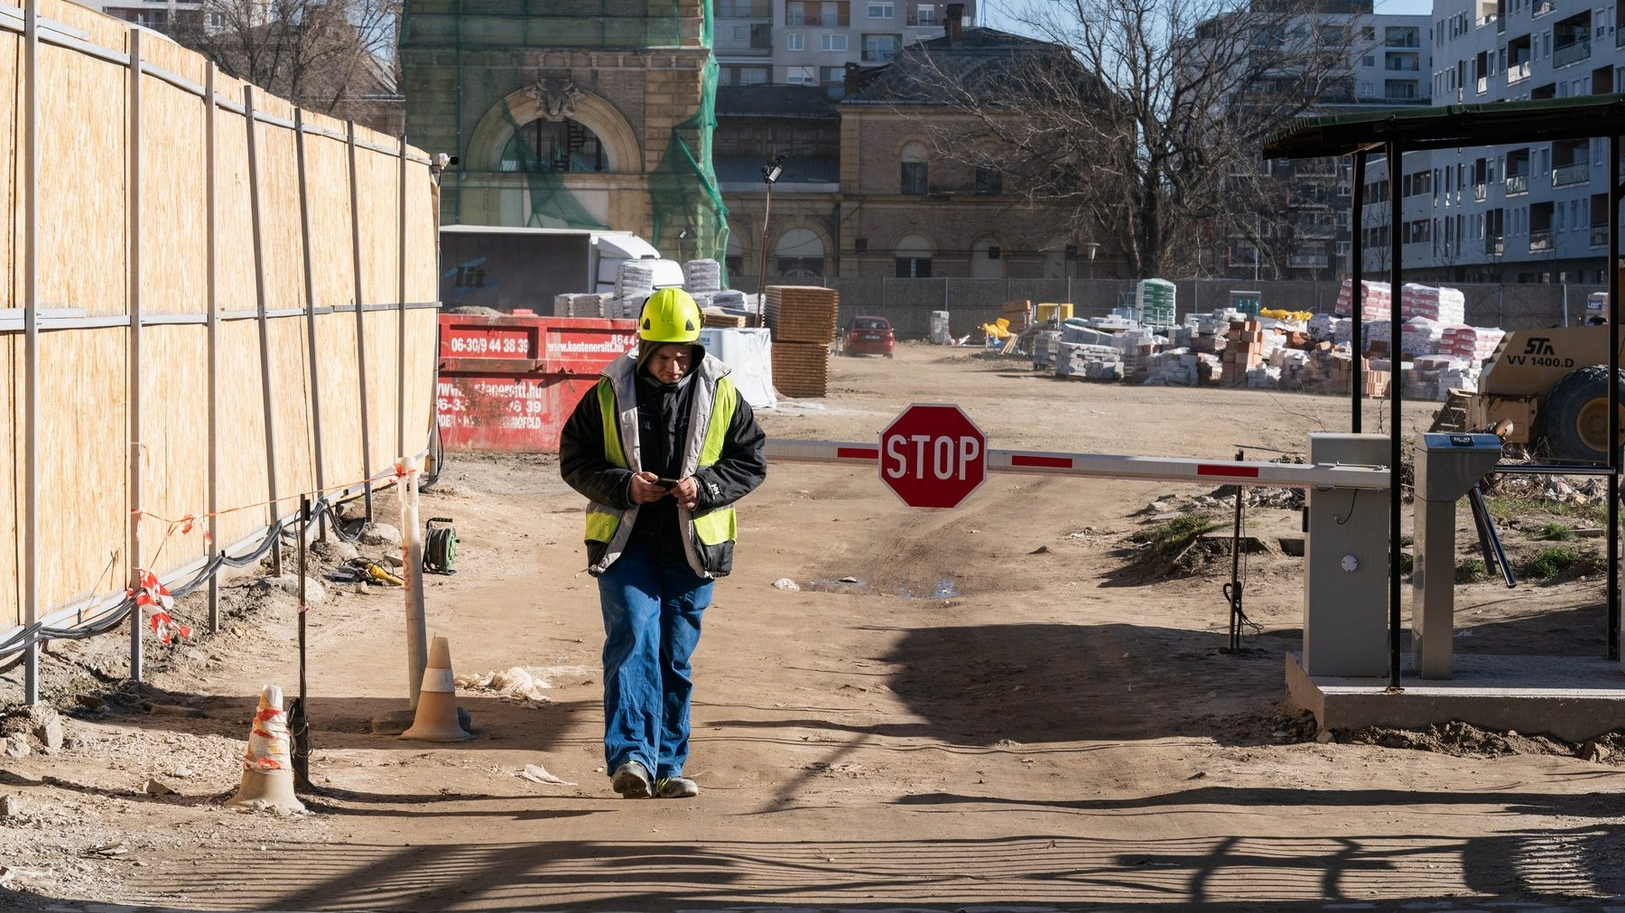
[(661, 449)]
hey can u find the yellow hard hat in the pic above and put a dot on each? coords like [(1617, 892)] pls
[(670, 315)]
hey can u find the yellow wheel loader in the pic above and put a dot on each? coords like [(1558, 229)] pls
[(1546, 390)]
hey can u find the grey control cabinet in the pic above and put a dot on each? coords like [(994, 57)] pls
[(1447, 467), (1345, 612)]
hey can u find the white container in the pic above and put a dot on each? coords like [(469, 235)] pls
[(939, 329)]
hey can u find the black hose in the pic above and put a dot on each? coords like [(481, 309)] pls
[(436, 462)]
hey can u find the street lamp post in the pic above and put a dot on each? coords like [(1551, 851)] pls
[(770, 176)]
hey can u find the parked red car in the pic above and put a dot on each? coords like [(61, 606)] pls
[(868, 336)]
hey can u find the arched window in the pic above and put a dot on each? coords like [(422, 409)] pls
[(735, 258), (800, 253), (553, 146), (913, 171), (914, 254), (987, 259)]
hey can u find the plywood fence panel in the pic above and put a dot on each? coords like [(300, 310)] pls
[(420, 393), (10, 175), (242, 431), (83, 472), (341, 403), (327, 184), (290, 389), (233, 220), (377, 179), (11, 477), (173, 216), (422, 248), (103, 30), (175, 441), (382, 357), (279, 218), (82, 167)]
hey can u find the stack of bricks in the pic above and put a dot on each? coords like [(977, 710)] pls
[(1019, 313), (1243, 350)]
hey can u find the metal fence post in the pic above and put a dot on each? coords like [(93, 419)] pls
[(30, 524), (265, 334), (310, 319), (212, 322), (134, 396), (360, 322)]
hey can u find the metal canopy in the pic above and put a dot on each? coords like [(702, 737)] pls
[(1451, 126)]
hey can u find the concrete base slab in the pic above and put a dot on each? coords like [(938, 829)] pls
[(1568, 697), (396, 722)]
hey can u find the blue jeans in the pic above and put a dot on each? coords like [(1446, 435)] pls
[(651, 627)]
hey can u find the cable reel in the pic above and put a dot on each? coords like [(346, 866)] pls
[(439, 546)]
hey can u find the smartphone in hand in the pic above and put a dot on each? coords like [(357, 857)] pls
[(667, 484)]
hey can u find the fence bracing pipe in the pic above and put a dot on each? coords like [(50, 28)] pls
[(360, 321), (211, 291), (1613, 397), (264, 328), (135, 398), (310, 315), (1395, 399), (31, 344)]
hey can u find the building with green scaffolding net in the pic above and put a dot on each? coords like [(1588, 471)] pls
[(593, 114)]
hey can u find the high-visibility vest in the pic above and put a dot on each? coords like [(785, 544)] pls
[(715, 401)]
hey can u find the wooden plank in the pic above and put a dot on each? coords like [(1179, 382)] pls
[(174, 440), (83, 474), (12, 480), (173, 218)]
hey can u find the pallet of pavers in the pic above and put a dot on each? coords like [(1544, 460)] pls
[(802, 313), (801, 368)]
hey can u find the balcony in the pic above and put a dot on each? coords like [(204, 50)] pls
[(1542, 7), (1569, 175), (927, 21), (1481, 192), (1493, 245), (1309, 261), (1599, 236), (801, 20), (1483, 84), (879, 55), (1517, 73), (1571, 54), (1517, 184), (1540, 240)]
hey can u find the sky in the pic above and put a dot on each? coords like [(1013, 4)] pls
[(998, 13)]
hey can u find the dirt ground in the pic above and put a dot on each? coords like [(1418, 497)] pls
[(995, 709)]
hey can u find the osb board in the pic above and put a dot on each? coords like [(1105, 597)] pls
[(84, 469), (242, 430), (233, 220), (339, 373), (421, 237), (82, 216), (290, 392), (421, 327), (174, 439), (172, 57), (382, 357), (173, 214), (11, 479), (378, 188), (11, 143), (103, 30), (327, 186), (279, 218)]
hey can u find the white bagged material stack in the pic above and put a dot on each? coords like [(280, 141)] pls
[(579, 305), (1445, 305), (1087, 362), (1137, 346), (749, 352), (1263, 377), (1378, 300), (634, 281), (730, 299), (702, 276), (940, 334), (1321, 326), (1470, 343), (1420, 337), (1432, 376), (703, 300), (1293, 365), (1087, 336), (1172, 368), (1045, 345), (1378, 332)]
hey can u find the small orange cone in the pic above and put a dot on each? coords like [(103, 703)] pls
[(267, 770), (436, 719)]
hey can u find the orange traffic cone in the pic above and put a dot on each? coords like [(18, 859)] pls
[(267, 771), (436, 719)]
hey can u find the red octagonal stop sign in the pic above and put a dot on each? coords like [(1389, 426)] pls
[(933, 456)]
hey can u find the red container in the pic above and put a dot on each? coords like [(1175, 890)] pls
[(510, 382)]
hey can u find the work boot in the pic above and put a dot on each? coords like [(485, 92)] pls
[(676, 788), (631, 780)]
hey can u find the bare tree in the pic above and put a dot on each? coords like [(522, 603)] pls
[(324, 55), (1142, 120)]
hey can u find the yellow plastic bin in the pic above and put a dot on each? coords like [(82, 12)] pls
[(1056, 312)]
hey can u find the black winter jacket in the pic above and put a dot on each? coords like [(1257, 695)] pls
[(663, 418)]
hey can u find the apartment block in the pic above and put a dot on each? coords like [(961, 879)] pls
[(810, 42), (1521, 212)]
